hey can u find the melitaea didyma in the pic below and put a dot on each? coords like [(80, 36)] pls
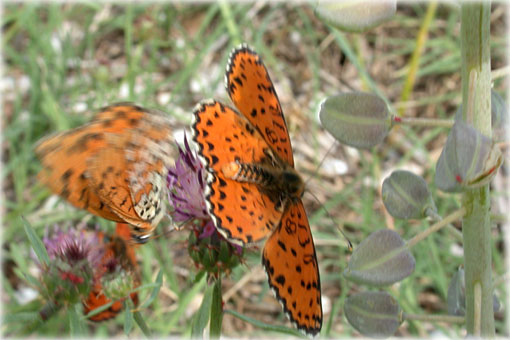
[(252, 188), (114, 167)]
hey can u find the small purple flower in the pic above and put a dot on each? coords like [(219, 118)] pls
[(75, 254), (73, 246), (186, 184)]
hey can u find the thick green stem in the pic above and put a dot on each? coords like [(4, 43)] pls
[(476, 101)]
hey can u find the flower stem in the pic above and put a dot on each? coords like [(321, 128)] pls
[(216, 311), (435, 227), (423, 122), (434, 318), (436, 218), (475, 51)]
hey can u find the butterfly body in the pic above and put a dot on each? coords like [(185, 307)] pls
[(280, 184), (253, 190), (114, 166)]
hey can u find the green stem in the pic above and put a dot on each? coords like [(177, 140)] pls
[(216, 311), (436, 218), (424, 122), (435, 227), (475, 50), (434, 318)]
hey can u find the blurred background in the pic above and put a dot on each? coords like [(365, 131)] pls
[(62, 61)]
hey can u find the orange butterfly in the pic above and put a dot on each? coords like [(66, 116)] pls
[(114, 167), (118, 251), (253, 189)]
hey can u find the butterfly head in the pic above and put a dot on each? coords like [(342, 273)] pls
[(292, 184)]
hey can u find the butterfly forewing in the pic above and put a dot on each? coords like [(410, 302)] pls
[(252, 91), (240, 210)]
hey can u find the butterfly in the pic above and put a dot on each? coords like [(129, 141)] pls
[(114, 167), (119, 252), (253, 190)]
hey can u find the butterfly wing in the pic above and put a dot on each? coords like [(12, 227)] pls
[(81, 165), (252, 91), (64, 159), (129, 175), (239, 210), (291, 266), (120, 248)]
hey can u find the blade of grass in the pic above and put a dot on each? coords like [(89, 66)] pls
[(415, 58), (36, 243)]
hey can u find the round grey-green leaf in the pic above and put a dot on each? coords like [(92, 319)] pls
[(381, 259), (355, 15), (406, 195), (373, 314), (357, 119)]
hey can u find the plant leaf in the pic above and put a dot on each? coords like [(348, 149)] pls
[(355, 15), (381, 259), (357, 119), (373, 314), (202, 315), (37, 244)]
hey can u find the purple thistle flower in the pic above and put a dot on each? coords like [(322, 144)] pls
[(74, 256), (73, 246), (186, 184)]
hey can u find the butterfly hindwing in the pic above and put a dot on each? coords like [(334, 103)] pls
[(292, 270)]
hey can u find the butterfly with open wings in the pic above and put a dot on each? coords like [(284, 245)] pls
[(253, 190)]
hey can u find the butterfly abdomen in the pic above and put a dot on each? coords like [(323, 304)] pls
[(251, 173), (286, 183)]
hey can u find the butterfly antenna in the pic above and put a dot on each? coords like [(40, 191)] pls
[(349, 244), (320, 164)]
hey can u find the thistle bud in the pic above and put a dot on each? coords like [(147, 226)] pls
[(211, 251), (357, 119), (406, 195)]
